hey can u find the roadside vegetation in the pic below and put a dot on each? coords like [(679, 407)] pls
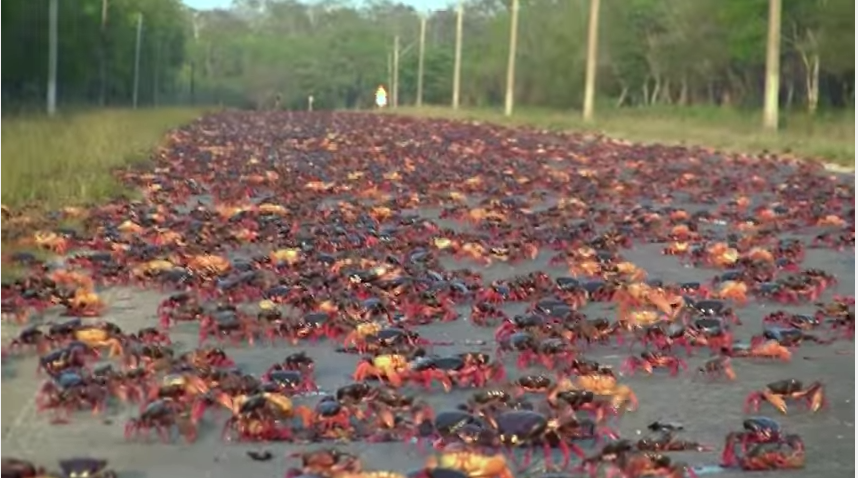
[(51, 163), (68, 160), (825, 137)]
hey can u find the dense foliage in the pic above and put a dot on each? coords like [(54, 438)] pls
[(651, 51)]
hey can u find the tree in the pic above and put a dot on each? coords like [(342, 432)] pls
[(652, 52)]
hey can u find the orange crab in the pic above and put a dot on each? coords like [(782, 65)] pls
[(676, 248), (770, 349), (480, 214), (208, 264), (288, 256), (72, 279), (245, 235), (130, 228), (587, 268), (380, 213), (606, 385), (279, 403), (735, 291), (386, 366), (630, 271), (98, 336), (758, 254), (682, 232), (319, 186), (85, 303), (151, 268), (51, 241), (722, 255), (268, 208), (668, 303), (471, 463), (372, 474), (640, 318), (444, 243), (474, 251), (227, 211), (358, 335), (830, 220), (164, 237)]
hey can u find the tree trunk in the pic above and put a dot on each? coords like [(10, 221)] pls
[(622, 99), (655, 91), (813, 85), (683, 92), (645, 91), (790, 94), (665, 93)]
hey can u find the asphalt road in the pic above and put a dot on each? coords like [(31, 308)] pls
[(708, 410)]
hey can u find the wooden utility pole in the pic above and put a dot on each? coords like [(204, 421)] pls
[(102, 56), (193, 71), (510, 62), (53, 27), (421, 53), (773, 67), (156, 74), (389, 72), (592, 60), (394, 96), (457, 64), (137, 60)]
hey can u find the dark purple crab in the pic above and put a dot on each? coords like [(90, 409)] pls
[(86, 467)]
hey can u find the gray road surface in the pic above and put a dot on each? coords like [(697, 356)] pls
[(709, 410)]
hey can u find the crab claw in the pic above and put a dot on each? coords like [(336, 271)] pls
[(394, 378), (607, 433), (503, 330), (728, 456), (365, 369), (729, 372), (306, 415), (817, 401), (629, 365)]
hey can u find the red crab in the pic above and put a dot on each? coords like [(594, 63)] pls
[(648, 361)]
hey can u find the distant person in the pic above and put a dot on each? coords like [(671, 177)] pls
[(381, 97)]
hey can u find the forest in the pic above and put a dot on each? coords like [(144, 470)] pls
[(651, 52)]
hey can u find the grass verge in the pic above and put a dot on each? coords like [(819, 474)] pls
[(828, 138), (68, 159)]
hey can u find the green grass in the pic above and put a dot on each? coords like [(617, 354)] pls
[(68, 159), (829, 138)]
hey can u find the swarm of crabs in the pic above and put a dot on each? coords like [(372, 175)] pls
[(350, 241)]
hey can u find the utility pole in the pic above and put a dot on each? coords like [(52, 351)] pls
[(53, 26), (194, 58), (422, 52), (394, 94), (510, 63), (390, 72), (102, 54), (137, 60), (773, 67), (156, 74), (592, 60), (457, 65)]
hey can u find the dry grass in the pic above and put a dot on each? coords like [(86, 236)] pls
[(829, 138), (69, 159), (54, 162)]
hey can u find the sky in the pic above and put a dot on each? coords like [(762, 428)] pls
[(423, 5)]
